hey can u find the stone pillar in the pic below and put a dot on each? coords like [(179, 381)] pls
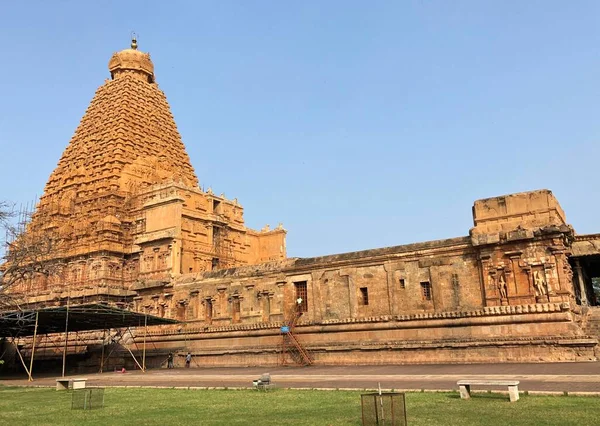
[(562, 280), (486, 288), (352, 302), (194, 304), (435, 288), (168, 298), (530, 288), (155, 310), (391, 288), (137, 303), (514, 269), (279, 307), (316, 295), (579, 272)]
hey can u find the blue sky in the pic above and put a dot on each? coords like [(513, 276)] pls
[(356, 124)]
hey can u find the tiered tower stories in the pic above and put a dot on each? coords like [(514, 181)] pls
[(123, 205)]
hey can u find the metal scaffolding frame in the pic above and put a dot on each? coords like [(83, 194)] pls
[(65, 319)]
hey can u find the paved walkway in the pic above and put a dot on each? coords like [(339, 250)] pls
[(552, 377)]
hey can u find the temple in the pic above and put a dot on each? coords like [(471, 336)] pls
[(123, 206), (131, 227)]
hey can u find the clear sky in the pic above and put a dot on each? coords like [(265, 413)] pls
[(358, 124)]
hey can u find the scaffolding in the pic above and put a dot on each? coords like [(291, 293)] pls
[(67, 254), (47, 322), (77, 251)]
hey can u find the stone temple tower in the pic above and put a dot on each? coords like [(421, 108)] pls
[(123, 207)]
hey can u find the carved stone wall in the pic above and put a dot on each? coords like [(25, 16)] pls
[(505, 300)]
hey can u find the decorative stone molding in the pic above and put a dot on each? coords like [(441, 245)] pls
[(425, 316)]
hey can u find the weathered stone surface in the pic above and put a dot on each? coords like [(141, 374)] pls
[(135, 228), (123, 207)]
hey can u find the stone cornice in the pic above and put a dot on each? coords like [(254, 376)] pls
[(490, 311)]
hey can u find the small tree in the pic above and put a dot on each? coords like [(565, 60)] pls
[(27, 256), (7, 228)]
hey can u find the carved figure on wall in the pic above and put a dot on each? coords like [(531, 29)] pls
[(502, 289), (541, 287), (568, 272)]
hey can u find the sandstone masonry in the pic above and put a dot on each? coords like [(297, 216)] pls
[(131, 227)]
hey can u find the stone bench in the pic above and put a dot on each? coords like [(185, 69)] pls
[(465, 387), (70, 383)]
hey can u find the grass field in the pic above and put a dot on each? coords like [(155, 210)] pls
[(35, 406)]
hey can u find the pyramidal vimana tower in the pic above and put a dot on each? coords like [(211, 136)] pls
[(130, 226), (123, 205)]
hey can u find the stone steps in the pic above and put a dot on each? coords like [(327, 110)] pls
[(592, 323)]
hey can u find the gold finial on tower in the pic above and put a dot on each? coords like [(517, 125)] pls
[(133, 41)]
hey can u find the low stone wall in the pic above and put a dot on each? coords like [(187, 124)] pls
[(527, 333)]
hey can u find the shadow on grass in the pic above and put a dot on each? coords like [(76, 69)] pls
[(482, 395)]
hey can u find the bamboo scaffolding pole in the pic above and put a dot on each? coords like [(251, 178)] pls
[(20, 356), (132, 355), (145, 334), (102, 356), (37, 314), (64, 361)]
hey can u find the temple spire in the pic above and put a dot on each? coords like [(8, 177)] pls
[(132, 62)]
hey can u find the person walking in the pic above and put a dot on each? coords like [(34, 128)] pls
[(170, 360), (188, 360)]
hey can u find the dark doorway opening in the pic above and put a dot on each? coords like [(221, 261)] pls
[(586, 279)]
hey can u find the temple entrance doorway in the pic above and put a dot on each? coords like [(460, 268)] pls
[(586, 279)]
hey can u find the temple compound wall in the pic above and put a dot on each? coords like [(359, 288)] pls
[(505, 293)]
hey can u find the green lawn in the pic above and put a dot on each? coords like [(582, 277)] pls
[(35, 406)]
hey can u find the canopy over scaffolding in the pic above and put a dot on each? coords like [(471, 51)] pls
[(80, 318), (65, 319)]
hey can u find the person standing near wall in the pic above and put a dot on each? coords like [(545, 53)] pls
[(188, 360)]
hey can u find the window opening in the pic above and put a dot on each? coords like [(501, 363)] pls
[(364, 293), (426, 290), (301, 296)]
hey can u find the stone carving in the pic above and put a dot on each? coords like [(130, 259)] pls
[(541, 287), (502, 288)]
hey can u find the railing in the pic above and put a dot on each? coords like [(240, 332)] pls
[(291, 345)]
